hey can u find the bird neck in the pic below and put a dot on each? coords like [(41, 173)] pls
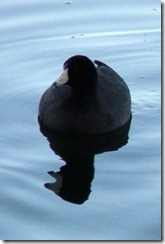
[(85, 94)]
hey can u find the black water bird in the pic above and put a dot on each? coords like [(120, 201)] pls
[(86, 99)]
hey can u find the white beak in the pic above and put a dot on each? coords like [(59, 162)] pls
[(62, 79)]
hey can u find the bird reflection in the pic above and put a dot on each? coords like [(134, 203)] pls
[(73, 180)]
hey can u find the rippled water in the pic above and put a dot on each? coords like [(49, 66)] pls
[(36, 38)]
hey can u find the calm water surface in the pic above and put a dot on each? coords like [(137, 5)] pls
[(36, 38)]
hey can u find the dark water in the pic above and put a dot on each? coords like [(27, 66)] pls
[(124, 186)]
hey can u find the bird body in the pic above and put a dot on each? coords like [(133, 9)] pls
[(88, 103)]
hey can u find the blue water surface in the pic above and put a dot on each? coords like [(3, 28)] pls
[(36, 38)]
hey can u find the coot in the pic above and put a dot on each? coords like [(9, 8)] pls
[(86, 99)]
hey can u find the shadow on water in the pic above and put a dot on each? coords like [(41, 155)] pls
[(73, 180)]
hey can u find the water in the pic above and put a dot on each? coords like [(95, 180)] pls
[(36, 38)]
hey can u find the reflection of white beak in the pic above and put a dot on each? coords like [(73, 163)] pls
[(56, 186), (62, 79)]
